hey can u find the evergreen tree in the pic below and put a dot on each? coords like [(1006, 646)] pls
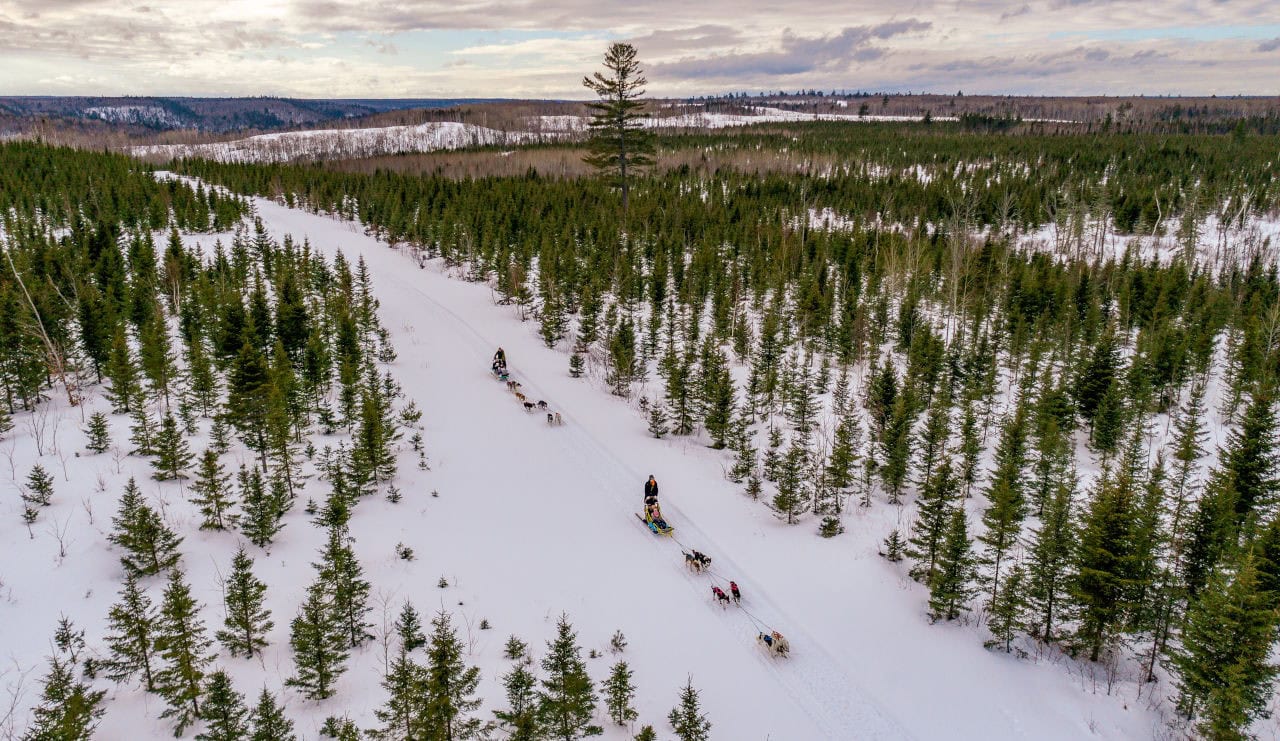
[(622, 358), (125, 391), (620, 146), (1225, 677), (143, 432), (932, 441), (319, 645), (647, 734), (449, 686), (403, 713), (224, 712), (576, 365), (1008, 610), (1006, 502), (687, 718), (1050, 560), (262, 508), (952, 585), (248, 621), (183, 648), (98, 432), (269, 721), (39, 489), (928, 534), (657, 421), (349, 591), (212, 493), (69, 710), (844, 452), (1103, 562), (150, 546), (520, 719), (132, 621), (173, 456), (567, 700), (409, 627), (619, 694)]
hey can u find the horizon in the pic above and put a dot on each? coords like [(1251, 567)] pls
[(338, 49)]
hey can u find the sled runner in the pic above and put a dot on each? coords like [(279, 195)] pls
[(659, 527)]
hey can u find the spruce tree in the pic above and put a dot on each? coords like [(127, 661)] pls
[(567, 700), (125, 391), (620, 146), (1006, 502), (576, 365), (619, 694), (248, 621), (224, 712), (150, 546), (173, 456), (844, 452), (1008, 611), (520, 719), (1103, 562), (622, 358), (449, 686), (39, 488), (212, 493), (952, 585), (1049, 561), (69, 710), (657, 421), (132, 621), (143, 432), (934, 505), (409, 628), (403, 714), (647, 734), (687, 719), (268, 721), (1225, 677), (319, 644), (183, 649), (98, 433), (349, 591), (261, 508)]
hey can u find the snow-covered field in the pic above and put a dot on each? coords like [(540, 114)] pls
[(533, 521)]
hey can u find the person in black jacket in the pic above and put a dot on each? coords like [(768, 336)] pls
[(651, 490), (500, 359)]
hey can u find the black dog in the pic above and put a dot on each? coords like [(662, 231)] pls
[(529, 406), (542, 404)]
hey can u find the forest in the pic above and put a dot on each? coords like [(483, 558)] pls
[(852, 316), (869, 330)]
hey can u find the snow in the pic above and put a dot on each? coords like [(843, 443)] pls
[(533, 521), (340, 143)]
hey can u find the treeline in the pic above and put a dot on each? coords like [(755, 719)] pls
[(1011, 398)]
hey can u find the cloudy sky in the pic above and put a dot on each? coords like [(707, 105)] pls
[(541, 48)]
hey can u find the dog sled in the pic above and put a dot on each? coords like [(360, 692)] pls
[(774, 643), (658, 526)]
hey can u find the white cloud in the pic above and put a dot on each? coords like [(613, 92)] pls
[(349, 47)]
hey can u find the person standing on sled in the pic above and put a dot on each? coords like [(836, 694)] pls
[(500, 360), (651, 490)]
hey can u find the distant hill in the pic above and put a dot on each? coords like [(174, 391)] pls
[(210, 115)]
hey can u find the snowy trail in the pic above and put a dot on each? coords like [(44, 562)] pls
[(810, 675), (864, 656)]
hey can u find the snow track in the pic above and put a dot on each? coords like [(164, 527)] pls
[(534, 520), (810, 675)]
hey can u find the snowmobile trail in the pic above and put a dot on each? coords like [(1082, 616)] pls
[(811, 676)]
